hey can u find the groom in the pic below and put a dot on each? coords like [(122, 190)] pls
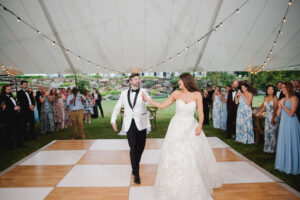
[(135, 121)]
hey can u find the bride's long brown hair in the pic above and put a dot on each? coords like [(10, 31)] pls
[(189, 82)]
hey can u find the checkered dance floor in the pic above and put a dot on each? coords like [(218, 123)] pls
[(100, 169)]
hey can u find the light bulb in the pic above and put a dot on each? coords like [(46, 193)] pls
[(18, 19), (284, 19), (237, 11), (53, 43), (290, 2), (67, 51), (78, 58)]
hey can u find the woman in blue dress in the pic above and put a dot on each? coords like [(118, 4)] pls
[(47, 117), (271, 120), (224, 109), (244, 125), (288, 145), (217, 107)]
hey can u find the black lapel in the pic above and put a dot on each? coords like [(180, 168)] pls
[(136, 95), (128, 98)]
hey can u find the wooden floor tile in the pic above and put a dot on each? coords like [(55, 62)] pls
[(71, 145), (34, 176), (225, 155), (110, 157), (154, 143), (253, 191), (89, 193), (148, 174)]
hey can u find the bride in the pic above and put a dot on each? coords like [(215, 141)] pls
[(187, 168)]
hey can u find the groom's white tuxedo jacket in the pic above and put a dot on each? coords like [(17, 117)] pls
[(135, 109)]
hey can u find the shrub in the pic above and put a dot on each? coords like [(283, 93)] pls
[(115, 92)]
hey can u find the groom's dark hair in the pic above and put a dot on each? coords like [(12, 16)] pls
[(133, 75)]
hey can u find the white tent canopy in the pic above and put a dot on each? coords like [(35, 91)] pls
[(126, 34)]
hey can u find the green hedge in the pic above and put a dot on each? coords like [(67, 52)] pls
[(68, 84), (28, 76)]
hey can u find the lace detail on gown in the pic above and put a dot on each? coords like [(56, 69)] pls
[(187, 168)]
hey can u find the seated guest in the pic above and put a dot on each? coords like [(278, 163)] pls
[(288, 145), (244, 126), (271, 120), (11, 117), (75, 101), (47, 117)]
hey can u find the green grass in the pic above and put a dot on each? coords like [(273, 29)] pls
[(101, 129)]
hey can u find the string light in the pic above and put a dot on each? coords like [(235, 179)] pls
[(39, 32), (280, 32), (18, 19), (67, 51), (290, 2), (78, 57), (237, 11), (89, 62), (284, 19), (53, 43)]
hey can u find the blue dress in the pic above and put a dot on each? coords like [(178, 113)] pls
[(47, 117), (217, 108), (271, 130), (288, 145), (244, 125), (224, 115)]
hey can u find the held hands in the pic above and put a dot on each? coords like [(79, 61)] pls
[(281, 102), (17, 108), (198, 130), (114, 125), (31, 107)]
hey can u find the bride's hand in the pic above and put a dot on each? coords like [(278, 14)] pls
[(198, 130)]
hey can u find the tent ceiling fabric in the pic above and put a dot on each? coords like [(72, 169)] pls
[(128, 34)]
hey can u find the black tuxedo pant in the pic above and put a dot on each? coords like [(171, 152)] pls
[(97, 104), (28, 120), (231, 123), (13, 129), (136, 141)]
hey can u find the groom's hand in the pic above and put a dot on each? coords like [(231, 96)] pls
[(114, 125)]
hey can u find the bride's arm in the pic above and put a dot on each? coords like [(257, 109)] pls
[(162, 105), (200, 113)]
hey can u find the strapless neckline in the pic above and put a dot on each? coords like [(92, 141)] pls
[(184, 101)]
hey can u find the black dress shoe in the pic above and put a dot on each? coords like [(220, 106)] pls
[(137, 179)]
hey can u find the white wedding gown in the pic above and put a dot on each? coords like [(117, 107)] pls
[(187, 169)]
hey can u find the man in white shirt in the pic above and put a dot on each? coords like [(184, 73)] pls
[(135, 121), (27, 104), (279, 93)]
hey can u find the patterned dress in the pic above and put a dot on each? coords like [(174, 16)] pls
[(244, 125), (271, 130), (88, 106), (46, 119), (58, 116), (217, 109), (67, 118), (224, 114)]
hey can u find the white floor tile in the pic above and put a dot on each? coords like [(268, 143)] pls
[(138, 193), (110, 144), (24, 193), (215, 142), (241, 172), (65, 157), (97, 176), (150, 157)]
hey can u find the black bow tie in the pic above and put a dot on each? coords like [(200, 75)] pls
[(137, 90), (233, 90)]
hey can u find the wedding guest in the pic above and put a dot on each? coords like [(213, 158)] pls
[(11, 117), (47, 117), (224, 109), (297, 94), (88, 107), (75, 101), (37, 99), (217, 107), (211, 92), (58, 118), (63, 92), (279, 93), (205, 107), (244, 124), (61, 99), (271, 121), (231, 109), (68, 121), (27, 104), (288, 145), (97, 98)]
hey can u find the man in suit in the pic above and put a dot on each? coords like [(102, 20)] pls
[(231, 109), (27, 103), (279, 93), (37, 99), (135, 121), (211, 92), (11, 117)]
